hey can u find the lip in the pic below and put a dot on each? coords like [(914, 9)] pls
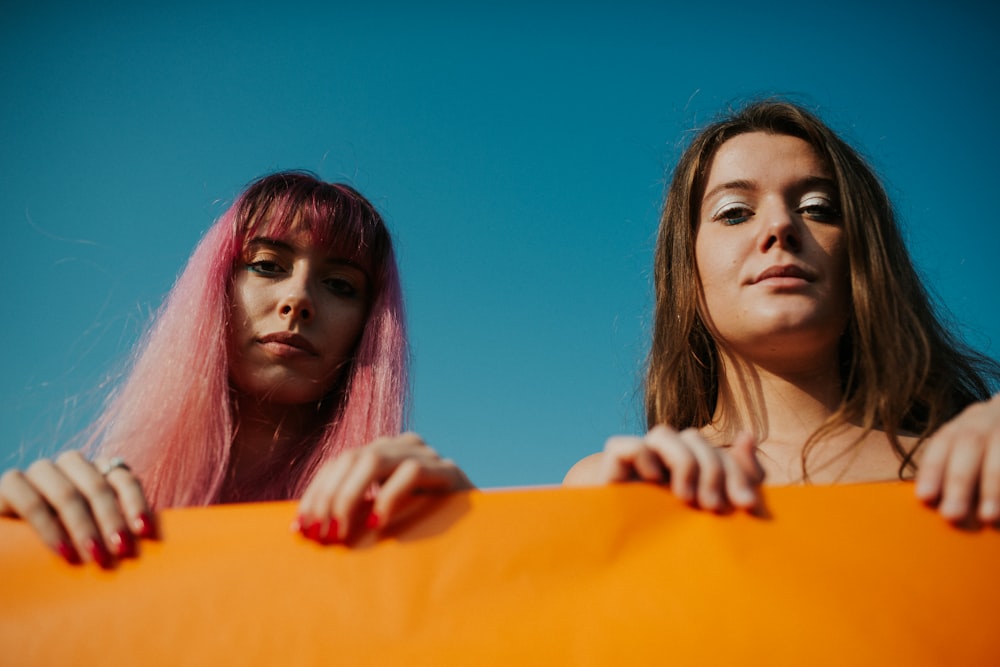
[(288, 344), (785, 271)]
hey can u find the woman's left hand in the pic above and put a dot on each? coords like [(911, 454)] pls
[(337, 504), (959, 471)]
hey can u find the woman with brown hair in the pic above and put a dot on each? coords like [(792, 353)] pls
[(792, 336)]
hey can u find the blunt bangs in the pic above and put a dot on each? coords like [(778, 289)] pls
[(336, 218)]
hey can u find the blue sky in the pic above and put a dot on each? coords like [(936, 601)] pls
[(518, 153)]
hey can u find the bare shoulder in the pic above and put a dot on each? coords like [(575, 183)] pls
[(583, 471)]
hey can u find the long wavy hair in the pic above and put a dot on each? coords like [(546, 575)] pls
[(173, 417), (902, 371)]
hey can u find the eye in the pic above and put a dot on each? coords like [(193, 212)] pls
[(733, 214), (820, 209), (341, 287), (265, 267)]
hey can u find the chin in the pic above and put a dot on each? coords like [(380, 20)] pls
[(289, 391)]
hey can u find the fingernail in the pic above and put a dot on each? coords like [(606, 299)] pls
[(924, 490), (372, 521), (98, 553), (296, 525), (952, 509), (68, 553), (314, 531), (988, 510), (123, 544), (332, 534), (711, 500), (144, 525)]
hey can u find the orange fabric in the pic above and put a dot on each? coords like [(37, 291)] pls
[(616, 575)]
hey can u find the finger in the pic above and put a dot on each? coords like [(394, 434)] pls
[(743, 472), (679, 461), (20, 498), (747, 455), (626, 458), (989, 482), (410, 477), (103, 503), (72, 508), (368, 468), (961, 480), (711, 472), (131, 499), (316, 507), (933, 464)]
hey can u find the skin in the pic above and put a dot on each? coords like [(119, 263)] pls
[(770, 252), (335, 508), (297, 314), (960, 469), (289, 287), (770, 256)]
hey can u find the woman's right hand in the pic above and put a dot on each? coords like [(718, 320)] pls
[(386, 481), (699, 473), (83, 510)]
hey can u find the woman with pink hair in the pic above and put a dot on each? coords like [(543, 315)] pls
[(278, 353)]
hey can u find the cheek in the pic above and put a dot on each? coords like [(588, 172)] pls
[(715, 266), (246, 302), (345, 326)]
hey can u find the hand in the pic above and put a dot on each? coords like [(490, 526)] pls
[(78, 507), (961, 461), (698, 472), (402, 468)]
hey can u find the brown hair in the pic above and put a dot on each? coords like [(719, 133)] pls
[(901, 370)]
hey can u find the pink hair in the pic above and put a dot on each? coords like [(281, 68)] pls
[(173, 419)]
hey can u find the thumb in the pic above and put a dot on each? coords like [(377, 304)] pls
[(744, 453)]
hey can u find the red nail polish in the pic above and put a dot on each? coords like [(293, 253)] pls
[(68, 553), (314, 532), (332, 534), (144, 525), (98, 553), (372, 521), (123, 544)]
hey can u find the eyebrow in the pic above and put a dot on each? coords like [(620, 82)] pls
[(805, 184), (288, 247)]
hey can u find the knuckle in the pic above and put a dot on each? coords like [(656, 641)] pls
[(68, 498), (369, 457), (621, 444), (10, 478), (68, 458), (409, 468), (103, 497), (39, 467), (662, 430), (409, 437), (36, 511), (348, 457)]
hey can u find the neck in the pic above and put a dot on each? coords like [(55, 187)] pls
[(267, 437), (784, 409), (776, 403)]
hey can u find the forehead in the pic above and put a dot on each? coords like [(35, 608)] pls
[(760, 156), (310, 234)]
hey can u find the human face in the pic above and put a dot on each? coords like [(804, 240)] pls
[(297, 313), (770, 248)]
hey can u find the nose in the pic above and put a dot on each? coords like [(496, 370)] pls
[(780, 229), (297, 303)]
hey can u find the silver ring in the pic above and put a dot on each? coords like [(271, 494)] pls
[(114, 462)]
